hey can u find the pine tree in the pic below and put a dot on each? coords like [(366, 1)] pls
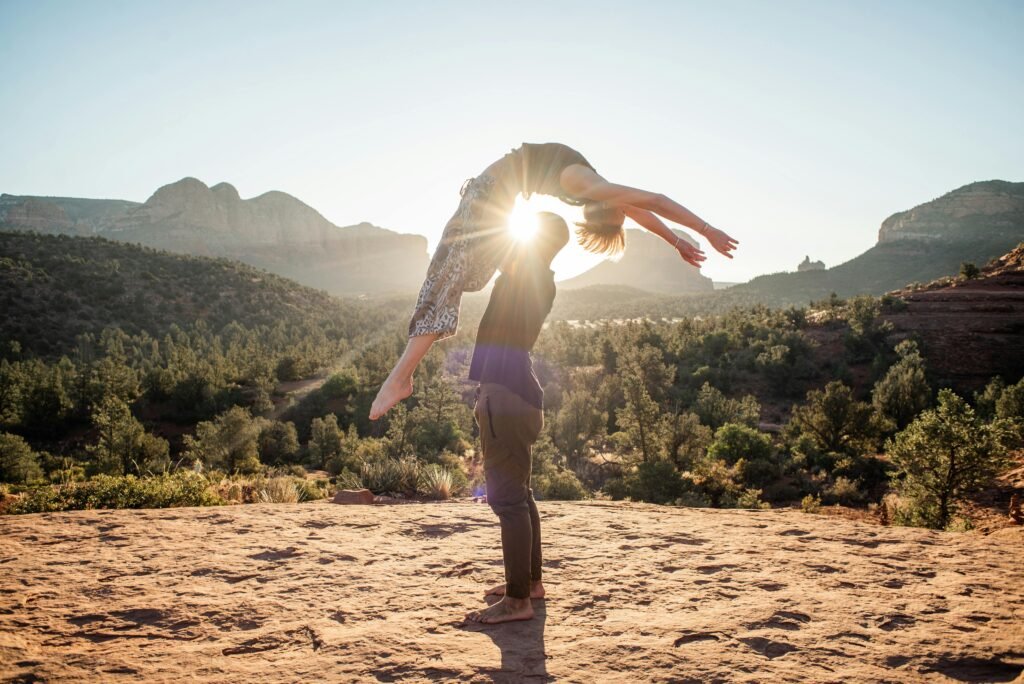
[(946, 454)]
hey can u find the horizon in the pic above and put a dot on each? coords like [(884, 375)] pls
[(773, 124)]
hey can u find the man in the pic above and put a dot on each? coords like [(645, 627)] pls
[(509, 412)]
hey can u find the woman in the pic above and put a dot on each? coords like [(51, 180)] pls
[(476, 239)]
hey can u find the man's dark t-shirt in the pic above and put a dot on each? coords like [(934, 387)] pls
[(520, 301)]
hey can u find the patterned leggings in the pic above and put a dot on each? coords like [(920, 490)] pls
[(472, 246)]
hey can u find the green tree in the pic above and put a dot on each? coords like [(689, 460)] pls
[(229, 442), (715, 409), (439, 419), (576, 423), (944, 455), (904, 391), (687, 439), (278, 443), (326, 440), (18, 463), (735, 443), (122, 444), (836, 421), (640, 418)]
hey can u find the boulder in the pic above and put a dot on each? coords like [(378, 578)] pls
[(353, 496)]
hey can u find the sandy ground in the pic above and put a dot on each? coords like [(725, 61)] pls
[(637, 593)]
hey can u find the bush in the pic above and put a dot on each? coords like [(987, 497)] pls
[(560, 485), (843, 491), (751, 498), (810, 504), (398, 476), (969, 271), (183, 488), (653, 482), (734, 442), (278, 490), (438, 482)]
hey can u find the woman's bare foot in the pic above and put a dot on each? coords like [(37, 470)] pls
[(390, 393), (536, 590), (505, 610)]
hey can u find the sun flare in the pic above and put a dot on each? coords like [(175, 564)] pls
[(522, 222)]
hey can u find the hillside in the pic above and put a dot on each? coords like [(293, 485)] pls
[(54, 287), (635, 592), (647, 264), (969, 329), (274, 231), (975, 223)]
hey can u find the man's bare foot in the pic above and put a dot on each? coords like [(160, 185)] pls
[(390, 393), (505, 610), (536, 590)]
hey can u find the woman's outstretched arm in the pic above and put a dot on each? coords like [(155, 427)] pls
[(691, 255), (582, 181)]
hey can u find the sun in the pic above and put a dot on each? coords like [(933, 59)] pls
[(522, 222)]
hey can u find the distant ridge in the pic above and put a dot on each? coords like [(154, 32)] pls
[(977, 222), (647, 264), (274, 231)]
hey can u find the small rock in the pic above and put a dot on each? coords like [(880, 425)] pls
[(353, 496)]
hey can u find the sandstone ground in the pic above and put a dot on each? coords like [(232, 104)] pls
[(636, 593)]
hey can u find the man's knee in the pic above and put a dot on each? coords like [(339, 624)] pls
[(514, 505)]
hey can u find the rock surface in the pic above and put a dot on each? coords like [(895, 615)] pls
[(353, 496), (635, 592)]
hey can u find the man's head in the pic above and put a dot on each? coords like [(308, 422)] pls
[(551, 236)]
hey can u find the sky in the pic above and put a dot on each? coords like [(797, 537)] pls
[(797, 127)]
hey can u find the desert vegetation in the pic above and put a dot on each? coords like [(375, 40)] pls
[(167, 392)]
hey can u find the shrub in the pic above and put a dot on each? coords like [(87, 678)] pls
[(843, 491), (346, 479), (560, 485), (810, 504), (399, 476), (182, 488), (278, 490), (751, 498), (436, 482), (734, 442), (969, 271), (903, 392)]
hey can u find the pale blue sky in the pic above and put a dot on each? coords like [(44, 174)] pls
[(795, 126)]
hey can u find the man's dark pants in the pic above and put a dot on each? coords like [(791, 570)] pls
[(509, 426)]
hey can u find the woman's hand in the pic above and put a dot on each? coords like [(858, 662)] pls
[(691, 255), (719, 240)]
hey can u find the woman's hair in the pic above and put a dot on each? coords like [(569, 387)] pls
[(601, 230)]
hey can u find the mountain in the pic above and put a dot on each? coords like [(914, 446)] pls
[(274, 231), (975, 223), (647, 264), (970, 329), (54, 288)]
